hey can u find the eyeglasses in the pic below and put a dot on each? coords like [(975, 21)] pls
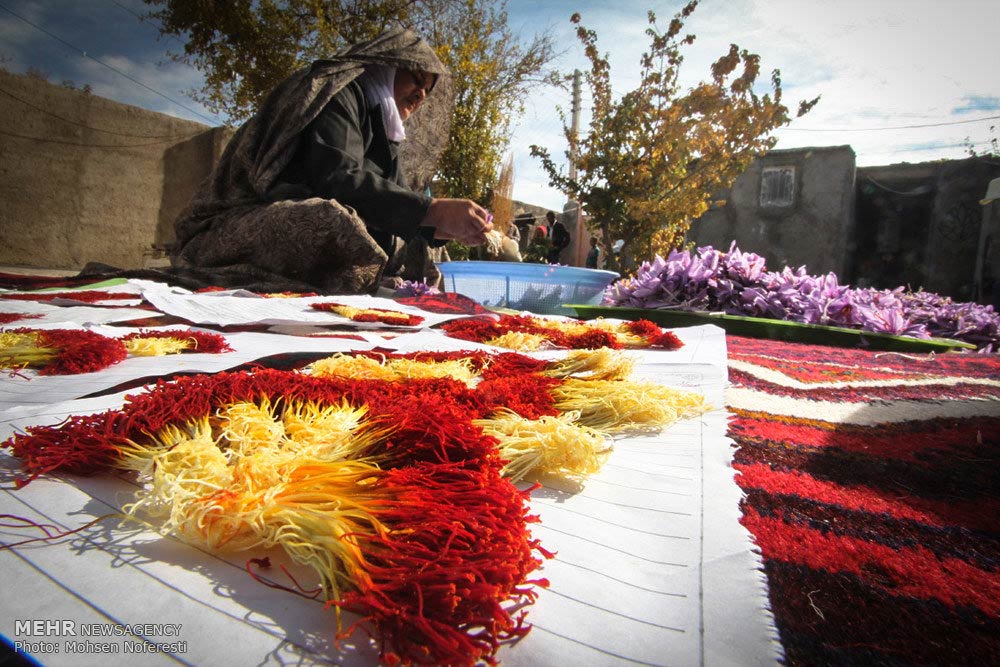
[(420, 79)]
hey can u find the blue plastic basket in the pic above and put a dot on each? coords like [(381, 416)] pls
[(537, 288)]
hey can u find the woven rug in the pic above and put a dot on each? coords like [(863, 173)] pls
[(872, 488)]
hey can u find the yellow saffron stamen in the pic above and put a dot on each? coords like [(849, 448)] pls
[(330, 433), (247, 426), (368, 368), (157, 347), (521, 341), (18, 350), (615, 406), (548, 445), (254, 476), (181, 466), (600, 364)]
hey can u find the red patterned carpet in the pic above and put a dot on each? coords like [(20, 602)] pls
[(872, 485)]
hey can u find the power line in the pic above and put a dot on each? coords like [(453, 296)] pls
[(897, 127), (127, 9), (104, 64), (876, 129)]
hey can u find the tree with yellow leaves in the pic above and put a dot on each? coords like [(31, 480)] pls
[(492, 72), (651, 160)]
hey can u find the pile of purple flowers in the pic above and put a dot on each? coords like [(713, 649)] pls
[(738, 283), (414, 288)]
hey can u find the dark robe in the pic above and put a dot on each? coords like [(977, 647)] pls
[(309, 192), (345, 155)]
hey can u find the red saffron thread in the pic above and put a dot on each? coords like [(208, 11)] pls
[(447, 580), (75, 351), (265, 563), (86, 296), (44, 528), (381, 315), (7, 318), (200, 341)]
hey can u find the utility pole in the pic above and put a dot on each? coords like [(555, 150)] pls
[(571, 210)]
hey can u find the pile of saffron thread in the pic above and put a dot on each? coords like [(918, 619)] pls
[(74, 351), (85, 296), (387, 490), (59, 351), (527, 332), (380, 315), (170, 341)]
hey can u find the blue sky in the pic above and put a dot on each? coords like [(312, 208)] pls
[(901, 80)]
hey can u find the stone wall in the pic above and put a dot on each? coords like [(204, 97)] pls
[(987, 272), (794, 207), (921, 225), (83, 178)]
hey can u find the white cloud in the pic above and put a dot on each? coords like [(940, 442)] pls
[(146, 84), (84, 44), (18, 38)]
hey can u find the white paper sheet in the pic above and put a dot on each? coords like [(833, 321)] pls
[(651, 566), (53, 317), (225, 309), (114, 286)]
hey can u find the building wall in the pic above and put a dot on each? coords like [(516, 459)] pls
[(987, 273), (921, 225), (957, 222), (83, 178), (813, 226)]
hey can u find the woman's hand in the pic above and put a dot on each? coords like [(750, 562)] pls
[(460, 219)]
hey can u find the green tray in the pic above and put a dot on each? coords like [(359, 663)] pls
[(759, 327)]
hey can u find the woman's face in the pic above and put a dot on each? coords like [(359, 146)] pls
[(410, 89)]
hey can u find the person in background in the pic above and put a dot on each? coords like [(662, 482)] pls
[(310, 193), (514, 233), (539, 246), (525, 223), (594, 254), (560, 238)]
